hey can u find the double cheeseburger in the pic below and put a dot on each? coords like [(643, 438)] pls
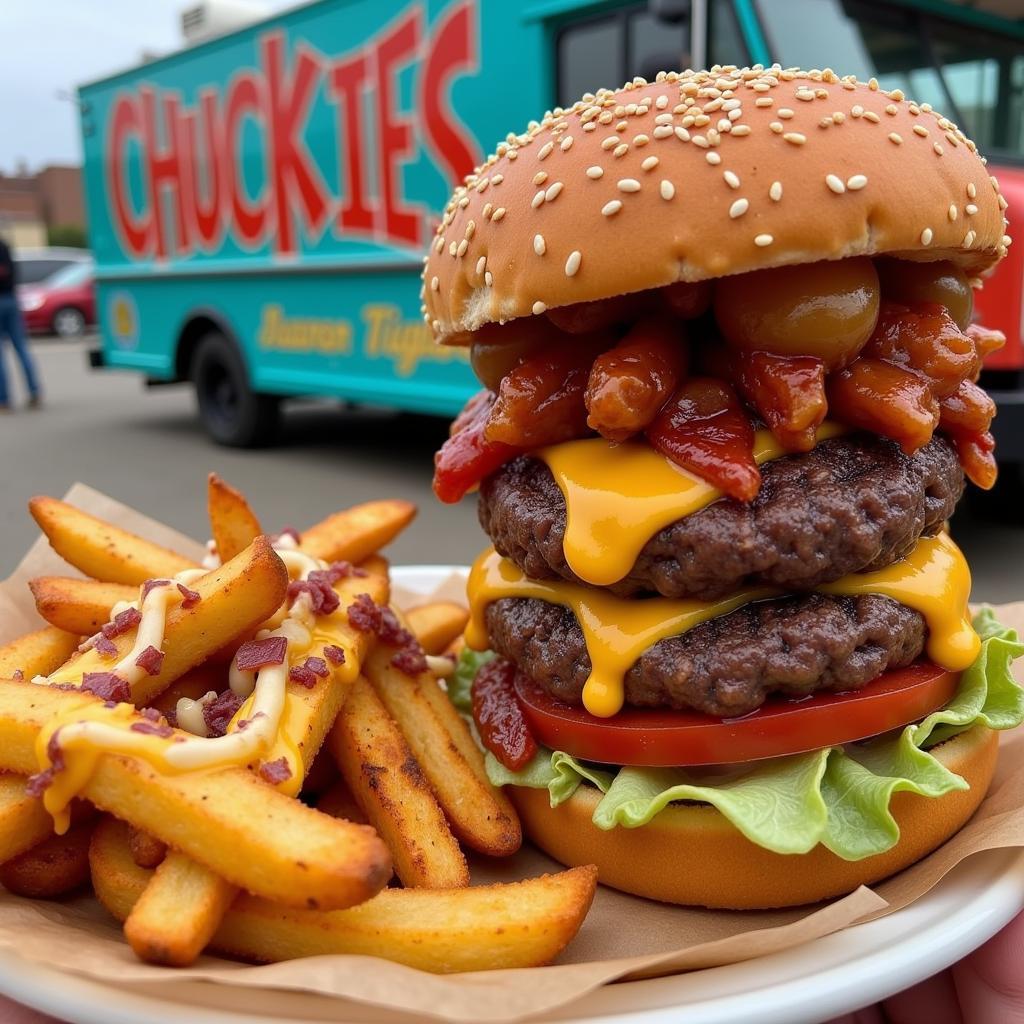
[(721, 645)]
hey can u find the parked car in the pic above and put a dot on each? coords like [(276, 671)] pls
[(36, 265), (62, 303)]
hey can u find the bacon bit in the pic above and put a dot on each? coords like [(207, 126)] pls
[(38, 784), (629, 383), (364, 614), (151, 660), (123, 622), (499, 717), (151, 585), (152, 729), (189, 598), (788, 393), (318, 667), (287, 531), (104, 646), (303, 675), (542, 401), (275, 772), (409, 658), (467, 457), (704, 429), (256, 654), (410, 661), (107, 685), (152, 714), (244, 723), (334, 654), (885, 399), (18, 675), (218, 713)]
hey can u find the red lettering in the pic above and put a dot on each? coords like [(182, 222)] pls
[(206, 169), (347, 82), (398, 46), (295, 173), (249, 214), (134, 231), (165, 168), (453, 49)]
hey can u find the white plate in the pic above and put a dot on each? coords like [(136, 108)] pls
[(805, 985)]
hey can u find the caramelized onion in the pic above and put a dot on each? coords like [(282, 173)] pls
[(788, 393)]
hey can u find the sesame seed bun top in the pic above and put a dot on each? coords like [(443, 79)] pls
[(700, 175)]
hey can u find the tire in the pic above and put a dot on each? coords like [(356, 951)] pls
[(232, 413), (68, 322)]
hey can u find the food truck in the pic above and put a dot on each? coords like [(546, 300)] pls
[(259, 203)]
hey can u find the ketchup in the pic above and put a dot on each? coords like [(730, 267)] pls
[(499, 717)]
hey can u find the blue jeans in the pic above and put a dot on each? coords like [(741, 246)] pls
[(13, 327)]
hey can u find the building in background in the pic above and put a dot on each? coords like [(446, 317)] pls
[(41, 209)]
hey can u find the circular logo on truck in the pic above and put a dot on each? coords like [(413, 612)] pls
[(123, 320)]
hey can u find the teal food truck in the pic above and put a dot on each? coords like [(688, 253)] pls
[(259, 203)]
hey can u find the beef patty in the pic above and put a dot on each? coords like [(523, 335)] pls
[(852, 504), (726, 666)]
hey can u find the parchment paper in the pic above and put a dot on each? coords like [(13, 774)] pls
[(623, 937)]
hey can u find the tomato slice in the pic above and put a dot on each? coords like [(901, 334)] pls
[(651, 738)]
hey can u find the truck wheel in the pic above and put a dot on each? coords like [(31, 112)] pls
[(231, 411), (68, 322)]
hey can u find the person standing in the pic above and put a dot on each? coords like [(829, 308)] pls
[(13, 327)]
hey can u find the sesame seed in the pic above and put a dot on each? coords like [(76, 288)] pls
[(785, 113), (763, 101), (553, 190), (470, 228), (595, 172), (972, 191), (919, 129), (891, 109), (668, 190), (538, 308), (434, 283), (663, 131), (870, 115), (463, 246), (775, 192), (739, 130), (499, 213), (640, 140), (952, 211), (926, 236), (611, 140), (545, 150), (776, 126), (537, 199), (540, 177), (937, 148), (481, 265), (856, 110), (452, 249), (488, 279), (762, 240), (835, 183), (856, 182), (896, 137), (663, 119), (566, 143), (681, 133), (714, 158), (497, 179), (731, 179), (795, 137), (628, 185), (969, 239), (649, 163), (804, 94), (970, 209), (621, 150), (539, 245), (611, 208), (661, 102), (738, 208), (572, 264)]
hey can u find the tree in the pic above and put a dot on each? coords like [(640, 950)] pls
[(67, 234)]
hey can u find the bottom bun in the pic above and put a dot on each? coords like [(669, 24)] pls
[(690, 853)]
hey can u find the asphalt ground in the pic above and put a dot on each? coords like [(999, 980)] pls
[(146, 448)]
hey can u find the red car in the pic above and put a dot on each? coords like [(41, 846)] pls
[(63, 303)]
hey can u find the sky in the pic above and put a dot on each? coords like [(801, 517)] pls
[(51, 46)]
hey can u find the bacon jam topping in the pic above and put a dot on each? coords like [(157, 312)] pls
[(881, 345)]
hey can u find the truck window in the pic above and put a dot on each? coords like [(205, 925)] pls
[(975, 76)]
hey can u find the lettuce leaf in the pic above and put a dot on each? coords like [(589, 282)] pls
[(461, 682), (837, 796)]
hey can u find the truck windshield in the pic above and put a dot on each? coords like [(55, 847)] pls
[(972, 74)]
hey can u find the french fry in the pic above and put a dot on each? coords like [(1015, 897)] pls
[(38, 653), (24, 822), (436, 625), (357, 532), (489, 927), (100, 549), (56, 866), (147, 852), (78, 606), (393, 793), (321, 776), (193, 896), (232, 599), (233, 523), (480, 815), (339, 802), (235, 824)]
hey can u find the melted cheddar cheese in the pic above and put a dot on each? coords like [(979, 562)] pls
[(933, 580), (618, 496)]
